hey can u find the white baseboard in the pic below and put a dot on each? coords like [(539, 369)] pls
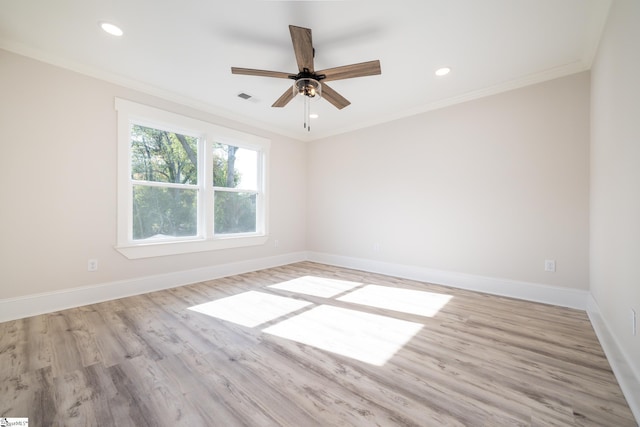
[(626, 374), (31, 305), (565, 297)]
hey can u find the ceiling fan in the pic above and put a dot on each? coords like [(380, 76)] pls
[(308, 81)]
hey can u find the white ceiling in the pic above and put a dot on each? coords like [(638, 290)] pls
[(183, 50)]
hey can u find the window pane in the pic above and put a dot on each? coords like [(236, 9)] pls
[(234, 212), (164, 212), (161, 156), (235, 167)]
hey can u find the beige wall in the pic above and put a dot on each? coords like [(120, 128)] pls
[(58, 195), (491, 187), (615, 177)]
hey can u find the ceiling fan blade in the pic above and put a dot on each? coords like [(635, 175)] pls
[(302, 46), (334, 97), (284, 99), (262, 73), (370, 68)]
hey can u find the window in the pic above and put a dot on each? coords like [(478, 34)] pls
[(186, 185)]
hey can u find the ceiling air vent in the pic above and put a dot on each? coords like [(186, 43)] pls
[(244, 95)]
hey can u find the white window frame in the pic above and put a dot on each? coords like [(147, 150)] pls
[(130, 113)]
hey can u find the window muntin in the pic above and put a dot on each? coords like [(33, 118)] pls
[(162, 198)]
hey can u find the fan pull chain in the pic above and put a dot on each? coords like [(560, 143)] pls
[(307, 112)]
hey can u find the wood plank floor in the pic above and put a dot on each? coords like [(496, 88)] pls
[(150, 360)]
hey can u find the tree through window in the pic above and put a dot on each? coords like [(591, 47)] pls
[(235, 189), (164, 196), (164, 173)]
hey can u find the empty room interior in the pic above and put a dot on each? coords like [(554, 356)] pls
[(300, 213)]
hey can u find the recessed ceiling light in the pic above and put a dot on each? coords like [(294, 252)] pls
[(443, 71), (114, 30), (313, 116)]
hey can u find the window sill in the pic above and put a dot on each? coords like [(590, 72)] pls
[(156, 249)]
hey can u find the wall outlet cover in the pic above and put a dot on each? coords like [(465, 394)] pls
[(549, 265)]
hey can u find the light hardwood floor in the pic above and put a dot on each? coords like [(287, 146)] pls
[(479, 360)]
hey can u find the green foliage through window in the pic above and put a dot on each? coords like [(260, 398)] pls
[(161, 156), (187, 185), (161, 212), (234, 212), (164, 169), (234, 168), (164, 157)]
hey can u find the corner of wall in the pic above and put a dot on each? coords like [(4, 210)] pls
[(628, 379)]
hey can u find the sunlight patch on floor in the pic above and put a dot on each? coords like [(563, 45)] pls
[(366, 337), (250, 308), (405, 300), (316, 286)]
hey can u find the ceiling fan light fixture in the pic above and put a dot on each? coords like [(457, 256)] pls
[(310, 88)]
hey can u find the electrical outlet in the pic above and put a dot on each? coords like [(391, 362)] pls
[(549, 265), (92, 265), (634, 322), (376, 247)]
